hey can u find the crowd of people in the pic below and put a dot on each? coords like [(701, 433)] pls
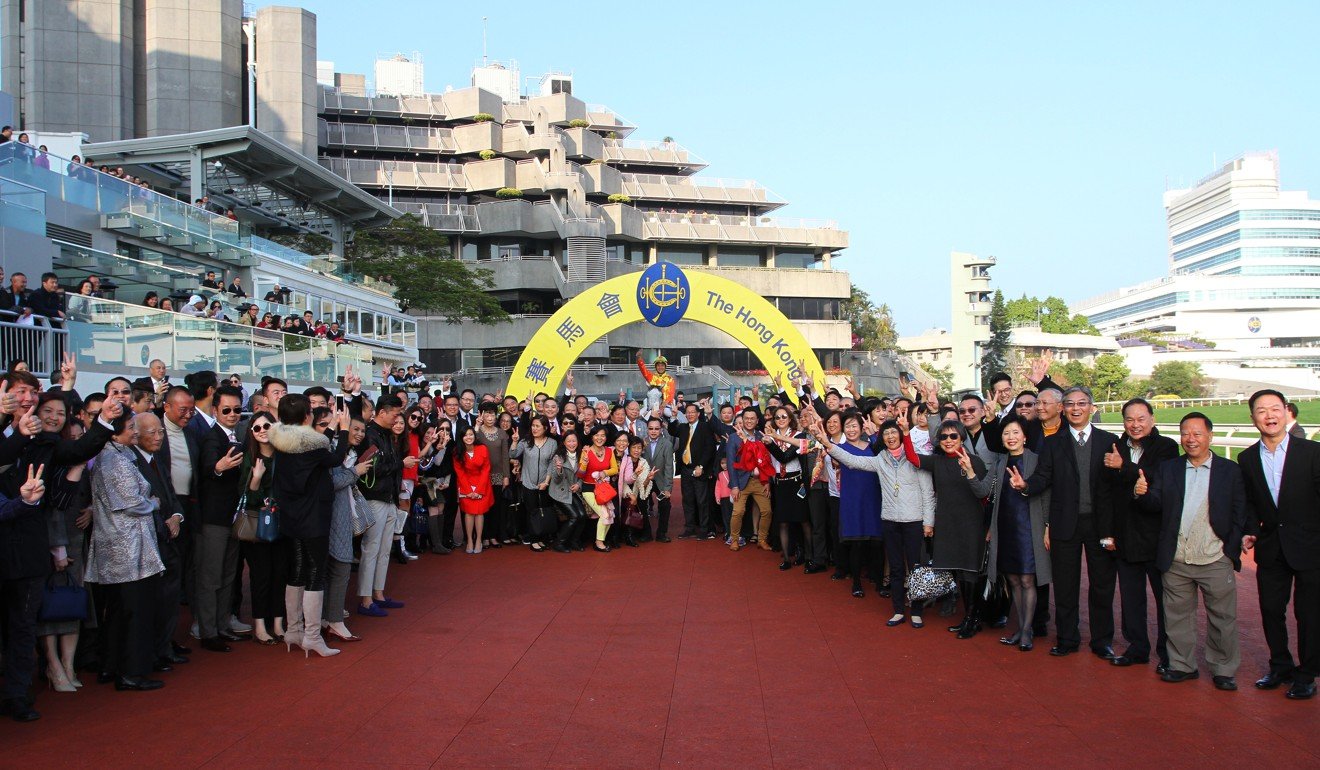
[(152, 496)]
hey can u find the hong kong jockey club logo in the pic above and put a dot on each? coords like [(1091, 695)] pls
[(1253, 324), (663, 294)]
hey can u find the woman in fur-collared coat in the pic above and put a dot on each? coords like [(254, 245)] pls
[(303, 490)]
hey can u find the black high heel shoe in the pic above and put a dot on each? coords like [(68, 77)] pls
[(785, 565), (601, 548), (1011, 640)]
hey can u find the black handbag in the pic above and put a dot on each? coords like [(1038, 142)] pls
[(541, 520), (62, 603)]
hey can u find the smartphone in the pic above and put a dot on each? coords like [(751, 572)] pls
[(367, 454), (339, 403)]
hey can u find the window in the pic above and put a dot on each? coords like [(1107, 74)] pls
[(470, 251), (794, 259), (682, 256), (736, 257)]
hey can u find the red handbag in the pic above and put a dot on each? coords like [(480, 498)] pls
[(605, 492)]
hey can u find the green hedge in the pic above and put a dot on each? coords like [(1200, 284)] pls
[(508, 192)]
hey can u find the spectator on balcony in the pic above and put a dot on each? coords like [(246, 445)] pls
[(6, 134), (229, 214), (96, 285), (16, 296), (196, 306), (266, 322), (236, 288), (210, 282), (42, 160), (306, 326), (47, 300), (277, 295), (248, 314), (25, 144), (289, 325), (152, 300), (334, 333), (85, 287), (167, 304), (217, 312)]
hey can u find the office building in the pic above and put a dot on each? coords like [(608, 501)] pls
[(1242, 294)]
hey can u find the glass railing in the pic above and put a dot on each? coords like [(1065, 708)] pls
[(85, 186), (22, 207), (109, 333)]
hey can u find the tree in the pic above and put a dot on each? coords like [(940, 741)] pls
[(872, 327), (943, 376), (1179, 378), (1073, 373), (416, 260), (995, 358), (1111, 375), (1051, 313)]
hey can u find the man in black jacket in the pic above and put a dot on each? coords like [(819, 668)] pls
[(1141, 449), (154, 464), (1203, 508), (694, 455), (220, 485), (1081, 520), (1282, 475), (380, 487), (47, 300)]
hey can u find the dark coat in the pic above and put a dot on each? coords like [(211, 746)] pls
[(302, 486), (1228, 506), (194, 458), (1294, 524), (217, 494), (158, 478), (1137, 530), (1058, 472), (25, 539), (702, 447)]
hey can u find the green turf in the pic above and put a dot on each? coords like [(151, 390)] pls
[(1308, 414)]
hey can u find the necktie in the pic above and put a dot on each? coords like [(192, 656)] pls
[(1081, 439), (687, 447)]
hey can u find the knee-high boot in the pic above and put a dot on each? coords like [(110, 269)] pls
[(293, 614), (312, 603), (434, 523)]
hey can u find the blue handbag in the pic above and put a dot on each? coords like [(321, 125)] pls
[(62, 603), (268, 522)]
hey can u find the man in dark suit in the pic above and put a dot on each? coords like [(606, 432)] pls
[(1282, 475), (154, 464), (216, 555), (694, 452), (1294, 428), (1081, 519), (1140, 450), (182, 452), (156, 383), (1202, 504), (659, 452)]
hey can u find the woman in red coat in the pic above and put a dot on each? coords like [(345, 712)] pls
[(472, 477)]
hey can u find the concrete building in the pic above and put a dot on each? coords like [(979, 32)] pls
[(960, 349), (589, 202), (400, 75), (934, 348), (1242, 294)]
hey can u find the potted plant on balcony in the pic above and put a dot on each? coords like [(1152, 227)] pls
[(578, 123), (508, 192), (486, 154), (483, 117), (619, 198)]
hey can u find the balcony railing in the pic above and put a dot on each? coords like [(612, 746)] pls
[(36, 344), (400, 174), (443, 216), (706, 189), (645, 151), (84, 186), (115, 334), (390, 137)]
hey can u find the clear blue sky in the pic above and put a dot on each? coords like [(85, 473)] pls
[(1041, 133)]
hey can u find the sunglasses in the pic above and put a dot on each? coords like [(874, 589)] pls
[(967, 411), (1024, 404), (262, 428), (231, 410), (415, 418), (949, 436)]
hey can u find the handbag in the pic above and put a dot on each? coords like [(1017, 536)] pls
[(605, 492), (244, 528), (62, 603), (541, 520), (634, 518), (268, 522), (927, 583), (418, 519)]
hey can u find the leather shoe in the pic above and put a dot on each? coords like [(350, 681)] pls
[(105, 677), (1174, 676), (19, 710), (215, 644), (179, 649), (137, 683), (1161, 669), (161, 667), (1000, 622), (1227, 683), (812, 568), (1273, 679), (663, 539), (174, 660), (1128, 660), (229, 637), (1104, 653), (1060, 651), (1301, 691)]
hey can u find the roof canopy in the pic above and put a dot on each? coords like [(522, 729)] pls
[(268, 184)]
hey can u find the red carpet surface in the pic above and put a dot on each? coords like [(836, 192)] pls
[(679, 654)]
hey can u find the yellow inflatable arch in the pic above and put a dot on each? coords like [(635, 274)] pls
[(662, 295)]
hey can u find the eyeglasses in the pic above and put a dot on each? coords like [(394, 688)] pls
[(781, 417), (260, 427), (972, 410), (231, 410), (415, 418), (949, 436), (1074, 404)]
